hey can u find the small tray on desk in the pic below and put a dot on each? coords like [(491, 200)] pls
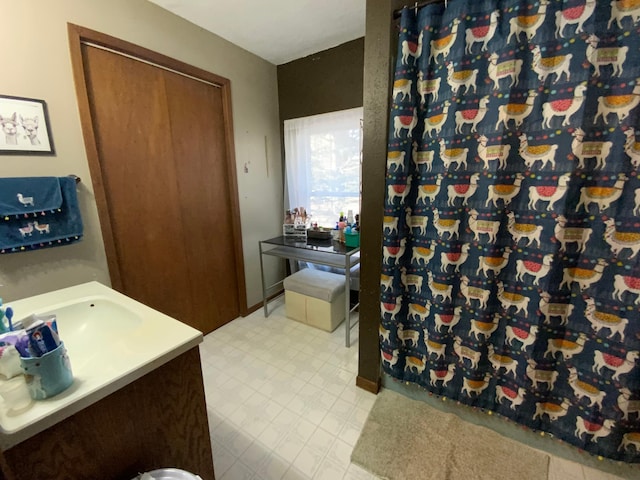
[(319, 233)]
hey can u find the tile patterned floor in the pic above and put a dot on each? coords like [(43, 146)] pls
[(283, 404)]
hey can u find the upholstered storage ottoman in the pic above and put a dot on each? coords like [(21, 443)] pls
[(315, 297)]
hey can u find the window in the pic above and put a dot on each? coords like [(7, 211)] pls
[(322, 156)]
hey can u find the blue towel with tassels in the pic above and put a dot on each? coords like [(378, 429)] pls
[(38, 212)]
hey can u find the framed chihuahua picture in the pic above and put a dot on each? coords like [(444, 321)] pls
[(24, 127)]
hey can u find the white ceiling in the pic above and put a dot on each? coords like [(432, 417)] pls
[(277, 30)]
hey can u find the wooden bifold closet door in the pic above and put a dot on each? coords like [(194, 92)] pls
[(162, 155)]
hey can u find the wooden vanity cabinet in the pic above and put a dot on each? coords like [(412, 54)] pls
[(158, 421)]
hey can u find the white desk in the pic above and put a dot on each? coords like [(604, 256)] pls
[(321, 252)]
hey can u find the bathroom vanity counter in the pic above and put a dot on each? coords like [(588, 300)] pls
[(136, 403)]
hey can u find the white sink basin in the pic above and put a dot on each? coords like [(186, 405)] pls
[(111, 339), (94, 321), (93, 317)]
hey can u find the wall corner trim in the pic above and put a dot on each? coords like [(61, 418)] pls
[(368, 385)]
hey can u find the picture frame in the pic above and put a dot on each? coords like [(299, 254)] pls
[(24, 127)]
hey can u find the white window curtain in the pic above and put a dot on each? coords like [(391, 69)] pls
[(322, 156)]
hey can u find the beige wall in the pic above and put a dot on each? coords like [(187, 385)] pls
[(35, 63)]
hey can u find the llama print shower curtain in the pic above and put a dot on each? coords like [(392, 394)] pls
[(511, 266)]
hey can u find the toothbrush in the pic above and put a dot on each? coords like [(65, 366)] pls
[(9, 314)]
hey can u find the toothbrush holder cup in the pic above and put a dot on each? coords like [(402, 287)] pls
[(49, 374)]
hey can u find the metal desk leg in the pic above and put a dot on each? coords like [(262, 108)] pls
[(264, 291), (347, 301)]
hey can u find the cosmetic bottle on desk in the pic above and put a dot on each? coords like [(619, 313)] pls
[(350, 220)]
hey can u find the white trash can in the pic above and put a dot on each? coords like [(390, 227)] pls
[(167, 474)]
